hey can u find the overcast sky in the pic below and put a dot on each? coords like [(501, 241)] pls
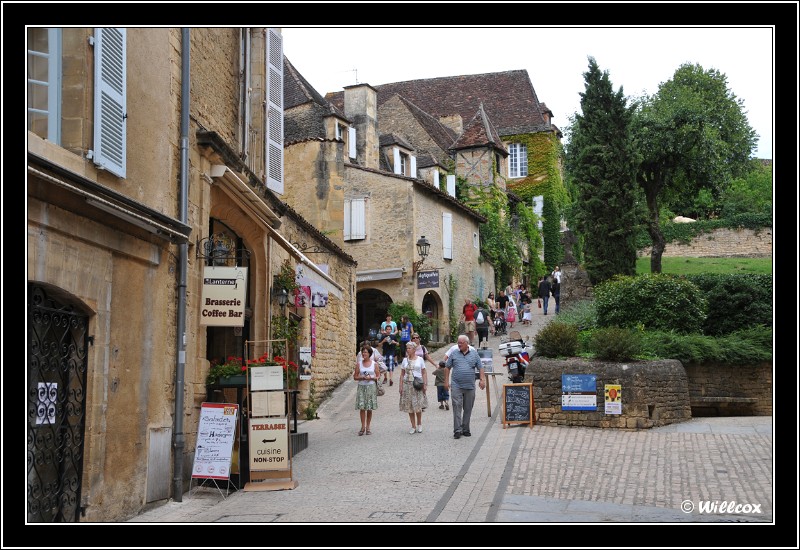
[(637, 59)]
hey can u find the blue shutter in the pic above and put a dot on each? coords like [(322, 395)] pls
[(110, 100), (274, 129)]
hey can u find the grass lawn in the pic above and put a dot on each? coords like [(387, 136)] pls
[(691, 266)]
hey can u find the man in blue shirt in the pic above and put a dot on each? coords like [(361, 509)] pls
[(460, 381)]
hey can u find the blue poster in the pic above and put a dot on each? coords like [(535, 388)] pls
[(578, 392)]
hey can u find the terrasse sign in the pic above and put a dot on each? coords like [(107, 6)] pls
[(223, 298)]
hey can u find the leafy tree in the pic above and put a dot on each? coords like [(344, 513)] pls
[(692, 134), (602, 165), (750, 194)]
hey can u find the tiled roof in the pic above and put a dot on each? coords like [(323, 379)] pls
[(479, 132), (298, 92), (441, 134), (508, 98), (391, 139)]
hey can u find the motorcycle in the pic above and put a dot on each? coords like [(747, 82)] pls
[(515, 352)]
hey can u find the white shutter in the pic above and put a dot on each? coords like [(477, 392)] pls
[(413, 166), (538, 204), (436, 178), (397, 169), (351, 139), (274, 130), (447, 235), (346, 231), (110, 100), (451, 185), (355, 219)]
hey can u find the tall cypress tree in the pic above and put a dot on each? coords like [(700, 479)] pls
[(601, 163)]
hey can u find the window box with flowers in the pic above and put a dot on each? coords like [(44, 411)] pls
[(290, 372), (233, 372)]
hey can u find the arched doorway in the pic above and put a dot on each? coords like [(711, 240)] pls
[(432, 307), (371, 307)]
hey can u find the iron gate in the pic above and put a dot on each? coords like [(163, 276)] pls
[(57, 345)]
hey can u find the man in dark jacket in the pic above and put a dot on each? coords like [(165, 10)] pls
[(544, 292)]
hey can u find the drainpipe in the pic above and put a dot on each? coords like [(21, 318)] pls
[(179, 441)]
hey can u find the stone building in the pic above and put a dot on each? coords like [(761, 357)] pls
[(361, 187), (154, 159)]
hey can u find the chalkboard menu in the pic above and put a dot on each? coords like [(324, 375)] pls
[(518, 405)]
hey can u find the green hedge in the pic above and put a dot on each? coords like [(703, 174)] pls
[(735, 301)]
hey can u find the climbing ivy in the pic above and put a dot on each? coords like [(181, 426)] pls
[(452, 287), (544, 178)]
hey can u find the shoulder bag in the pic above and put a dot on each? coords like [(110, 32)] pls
[(381, 391)]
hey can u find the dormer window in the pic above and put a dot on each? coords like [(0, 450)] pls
[(405, 164)]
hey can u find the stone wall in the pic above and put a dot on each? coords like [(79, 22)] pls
[(730, 390), (723, 243), (654, 393)]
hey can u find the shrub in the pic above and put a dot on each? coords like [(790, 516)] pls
[(557, 339), (421, 322), (743, 347), (582, 314), (736, 301), (615, 343), (657, 301)]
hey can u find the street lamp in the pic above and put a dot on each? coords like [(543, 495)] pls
[(282, 297), (423, 245)]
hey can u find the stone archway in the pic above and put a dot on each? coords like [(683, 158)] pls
[(371, 307), (432, 307)]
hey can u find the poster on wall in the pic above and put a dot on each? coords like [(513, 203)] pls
[(313, 332), (215, 436), (302, 296), (613, 399), (304, 370), (223, 296)]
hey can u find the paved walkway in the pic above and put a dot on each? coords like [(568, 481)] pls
[(514, 474)]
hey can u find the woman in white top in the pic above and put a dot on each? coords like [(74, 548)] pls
[(413, 401), (366, 374)]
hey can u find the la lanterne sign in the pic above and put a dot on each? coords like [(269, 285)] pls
[(223, 297)]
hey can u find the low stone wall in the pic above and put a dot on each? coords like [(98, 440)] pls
[(654, 393), (730, 390), (723, 243)]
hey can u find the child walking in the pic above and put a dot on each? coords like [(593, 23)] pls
[(442, 395)]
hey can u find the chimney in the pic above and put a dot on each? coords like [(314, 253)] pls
[(361, 107), (454, 122)]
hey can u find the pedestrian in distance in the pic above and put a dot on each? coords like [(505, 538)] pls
[(392, 324), (482, 324), (490, 301), (544, 292), (389, 349), (366, 373), (406, 329), (442, 395), (412, 400), (468, 316), (527, 313), (556, 274), (460, 382), (422, 351), (555, 290)]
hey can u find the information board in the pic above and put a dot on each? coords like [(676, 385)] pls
[(215, 436), (578, 392), (518, 406)]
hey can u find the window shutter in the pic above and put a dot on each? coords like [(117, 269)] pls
[(447, 235), (358, 225), (413, 166), (451, 185), (274, 87), (351, 139), (397, 169), (355, 219), (110, 100), (436, 178), (347, 231), (538, 203)]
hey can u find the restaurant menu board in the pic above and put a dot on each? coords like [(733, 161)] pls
[(215, 436), (518, 406)]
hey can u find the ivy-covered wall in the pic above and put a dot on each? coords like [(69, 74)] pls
[(544, 178)]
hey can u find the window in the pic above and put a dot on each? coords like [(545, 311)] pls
[(517, 160), (44, 83), (355, 219), (404, 164)]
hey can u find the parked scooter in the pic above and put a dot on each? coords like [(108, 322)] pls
[(515, 352)]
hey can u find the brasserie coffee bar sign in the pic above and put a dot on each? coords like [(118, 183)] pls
[(223, 298)]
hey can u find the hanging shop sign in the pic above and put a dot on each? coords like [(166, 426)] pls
[(223, 296), (428, 279)]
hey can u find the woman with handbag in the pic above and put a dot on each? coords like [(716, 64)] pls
[(413, 398), (366, 373)]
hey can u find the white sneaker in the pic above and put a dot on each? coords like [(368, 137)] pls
[(419, 429), (412, 431)]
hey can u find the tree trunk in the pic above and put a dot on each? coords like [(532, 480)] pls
[(654, 230)]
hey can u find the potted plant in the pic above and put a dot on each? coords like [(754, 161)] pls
[(290, 371), (233, 371)]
